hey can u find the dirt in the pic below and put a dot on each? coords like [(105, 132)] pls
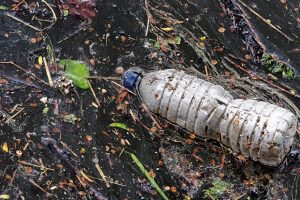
[(183, 165)]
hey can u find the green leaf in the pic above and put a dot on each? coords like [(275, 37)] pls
[(119, 125), (77, 71), (3, 7), (157, 45), (150, 178), (175, 40), (45, 110)]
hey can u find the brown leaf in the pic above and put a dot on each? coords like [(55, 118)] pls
[(121, 96)]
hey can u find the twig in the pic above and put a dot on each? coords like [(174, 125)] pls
[(22, 69), (149, 17), (53, 14), (265, 21), (14, 108), (66, 146), (36, 185), (33, 165), (112, 182), (21, 21), (94, 94), (151, 116), (71, 35), (253, 75), (13, 178), (108, 79), (105, 77), (206, 72), (43, 167), (11, 117), (102, 174), (48, 72), (14, 8)]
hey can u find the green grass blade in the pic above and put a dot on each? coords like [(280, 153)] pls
[(119, 125), (151, 179)]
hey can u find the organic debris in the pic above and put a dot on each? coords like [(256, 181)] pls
[(277, 68), (77, 71), (67, 125), (217, 190), (84, 9)]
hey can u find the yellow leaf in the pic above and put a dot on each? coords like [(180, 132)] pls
[(203, 38), (5, 147), (167, 29), (86, 177), (40, 60), (4, 196)]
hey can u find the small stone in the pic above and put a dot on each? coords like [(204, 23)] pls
[(119, 70), (33, 40), (44, 100), (103, 91)]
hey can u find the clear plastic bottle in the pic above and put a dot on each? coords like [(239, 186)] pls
[(259, 130)]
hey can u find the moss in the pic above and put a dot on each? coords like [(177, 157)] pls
[(278, 69), (218, 189)]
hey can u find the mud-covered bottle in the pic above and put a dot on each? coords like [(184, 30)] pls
[(259, 130)]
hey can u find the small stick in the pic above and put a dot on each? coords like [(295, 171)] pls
[(206, 72), (48, 72), (26, 145), (265, 21), (22, 69), (13, 178), (53, 14), (14, 8), (102, 174), (112, 182), (253, 75), (33, 165), (43, 167), (82, 183), (66, 146), (94, 94), (151, 116), (36, 185), (11, 117), (149, 17), (14, 108), (48, 5), (109, 79), (21, 21), (147, 27)]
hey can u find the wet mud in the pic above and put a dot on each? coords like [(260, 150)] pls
[(51, 157)]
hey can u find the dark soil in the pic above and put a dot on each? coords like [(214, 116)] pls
[(183, 166)]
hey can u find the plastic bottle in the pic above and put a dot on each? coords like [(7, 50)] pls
[(259, 130)]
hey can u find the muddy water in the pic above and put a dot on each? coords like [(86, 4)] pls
[(103, 44)]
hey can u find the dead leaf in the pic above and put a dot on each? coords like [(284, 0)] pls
[(121, 96), (167, 29), (214, 62), (5, 147), (203, 38), (221, 29)]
